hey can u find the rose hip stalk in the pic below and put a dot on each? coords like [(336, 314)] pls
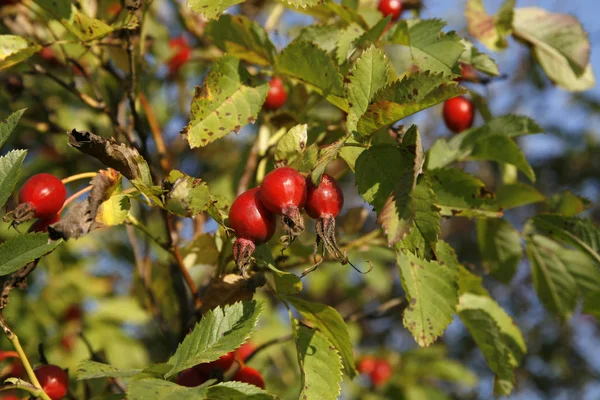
[(283, 191), (252, 223)]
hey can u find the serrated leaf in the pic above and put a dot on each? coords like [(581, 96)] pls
[(313, 66), (431, 48), (504, 150), (8, 125), (370, 73), (10, 166), (160, 389), (220, 331), (468, 282), (331, 324), (303, 3), (21, 250), (88, 369), (186, 196), (242, 38), (406, 97), (432, 293), (15, 49), (324, 36), (292, 144), (114, 211), (490, 30), (480, 61), (560, 45), (286, 283), (517, 194), (87, 28), (320, 364), (500, 247), (59, 9), (211, 9), (228, 100), (581, 233), (461, 194), (344, 47), (460, 147), (237, 391), (567, 203)]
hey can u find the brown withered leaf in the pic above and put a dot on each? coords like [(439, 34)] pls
[(79, 220), (229, 289), (124, 158)]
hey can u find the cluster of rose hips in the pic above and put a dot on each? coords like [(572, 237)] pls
[(284, 191), (41, 197), (200, 373), (378, 369)]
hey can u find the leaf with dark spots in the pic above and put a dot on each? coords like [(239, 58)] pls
[(80, 219), (119, 156)]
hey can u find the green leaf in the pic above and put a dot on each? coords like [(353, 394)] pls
[(313, 66), (581, 233), (480, 61), (59, 9), (302, 3), (406, 97), (8, 125), (370, 73), (496, 335), (243, 38), (15, 49), (461, 146), (560, 45), (461, 194), (88, 369), (286, 283), (186, 196), (344, 45), (211, 9), (220, 331), (160, 389), (320, 366), (567, 203), (332, 326), (490, 30), (114, 211), (326, 155), (504, 150), (431, 48), (10, 166), (432, 293), (292, 144), (517, 194), (87, 28), (324, 36), (21, 250), (237, 391), (228, 100), (500, 246)]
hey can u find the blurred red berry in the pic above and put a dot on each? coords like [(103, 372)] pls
[(249, 375), (276, 96), (244, 351), (366, 365), (190, 378), (182, 53), (222, 364), (381, 373)]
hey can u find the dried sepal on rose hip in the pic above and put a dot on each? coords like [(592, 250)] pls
[(42, 196), (283, 192), (252, 223)]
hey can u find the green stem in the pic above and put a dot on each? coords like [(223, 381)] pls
[(137, 224), (14, 339)]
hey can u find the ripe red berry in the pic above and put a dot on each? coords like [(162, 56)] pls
[(54, 381), (244, 351), (283, 191), (458, 114), (222, 364), (253, 224), (276, 96), (325, 199), (381, 373), (190, 378), (45, 193), (249, 375), (366, 365), (41, 225), (182, 53), (390, 7)]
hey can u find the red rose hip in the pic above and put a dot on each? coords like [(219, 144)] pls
[(366, 365), (54, 381), (42, 225), (249, 375), (381, 373), (42, 196), (222, 364), (458, 114), (326, 199), (252, 223), (276, 96), (190, 378), (182, 54), (390, 7)]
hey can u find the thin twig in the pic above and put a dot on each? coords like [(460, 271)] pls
[(165, 161), (249, 169)]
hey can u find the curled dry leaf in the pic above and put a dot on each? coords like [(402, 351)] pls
[(80, 219), (229, 289)]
